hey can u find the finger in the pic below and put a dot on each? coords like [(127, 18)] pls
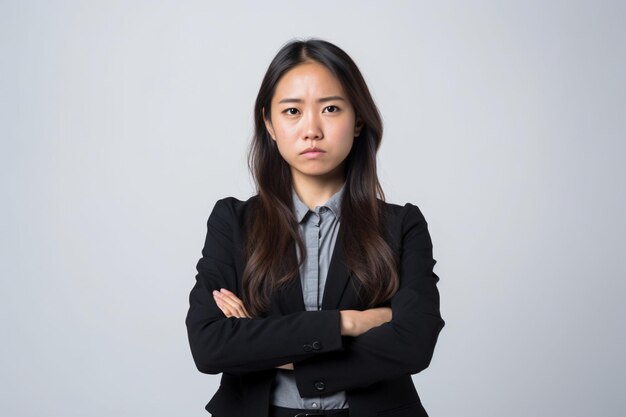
[(235, 303), (226, 291), (225, 309), (228, 308), (231, 295)]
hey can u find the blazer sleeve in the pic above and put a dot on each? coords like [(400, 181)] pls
[(403, 346), (241, 345)]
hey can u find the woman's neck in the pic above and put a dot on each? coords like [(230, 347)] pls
[(314, 192)]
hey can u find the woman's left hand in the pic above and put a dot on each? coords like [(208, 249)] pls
[(230, 304)]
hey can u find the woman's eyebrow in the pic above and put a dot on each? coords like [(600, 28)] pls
[(321, 100)]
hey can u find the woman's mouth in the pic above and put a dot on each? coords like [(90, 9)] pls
[(313, 150)]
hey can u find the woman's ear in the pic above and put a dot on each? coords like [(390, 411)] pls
[(358, 126), (268, 125)]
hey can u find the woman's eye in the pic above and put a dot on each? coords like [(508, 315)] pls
[(332, 109), (291, 111)]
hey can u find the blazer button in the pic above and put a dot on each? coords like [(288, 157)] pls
[(317, 345), (307, 348), (320, 386)]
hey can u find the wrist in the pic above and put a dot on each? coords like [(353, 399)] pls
[(348, 322)]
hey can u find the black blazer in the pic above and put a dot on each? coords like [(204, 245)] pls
[(374, 369)]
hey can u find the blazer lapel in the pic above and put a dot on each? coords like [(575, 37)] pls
[(291, 299), (338, 275)]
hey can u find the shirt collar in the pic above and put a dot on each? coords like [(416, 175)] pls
[(333, 203)]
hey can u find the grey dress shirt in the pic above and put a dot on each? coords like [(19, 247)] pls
[(319, 230)]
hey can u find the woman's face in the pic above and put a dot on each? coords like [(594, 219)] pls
[(311, 110)]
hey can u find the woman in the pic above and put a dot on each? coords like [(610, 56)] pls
[(315, 296)]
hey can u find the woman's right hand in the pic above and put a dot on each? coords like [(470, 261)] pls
[(355, 323), (230, 304)]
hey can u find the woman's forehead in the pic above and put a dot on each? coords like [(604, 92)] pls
[(307, 81)]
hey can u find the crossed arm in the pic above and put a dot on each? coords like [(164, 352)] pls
[(352, 322)]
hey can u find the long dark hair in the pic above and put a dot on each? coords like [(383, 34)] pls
[(272, 229)]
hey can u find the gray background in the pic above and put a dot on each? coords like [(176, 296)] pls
[(123, 122)]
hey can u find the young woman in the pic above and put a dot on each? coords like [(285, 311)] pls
[(315, 297)]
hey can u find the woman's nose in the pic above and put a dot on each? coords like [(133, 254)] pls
[(312, 128)]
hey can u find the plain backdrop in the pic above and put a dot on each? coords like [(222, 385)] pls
[(123, 122)]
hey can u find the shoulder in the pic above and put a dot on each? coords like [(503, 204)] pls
[(232, 206), (403, 221), (230, 212), (402, 213)]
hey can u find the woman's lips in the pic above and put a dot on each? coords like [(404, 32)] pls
[(312, 154), (314, 151)]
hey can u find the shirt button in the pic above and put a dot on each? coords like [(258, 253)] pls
[(307, 348), (319, 385), (316, 345)]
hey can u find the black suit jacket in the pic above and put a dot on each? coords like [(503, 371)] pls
[(374, 369)]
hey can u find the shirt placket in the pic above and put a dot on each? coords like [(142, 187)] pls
[(312, 291)]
